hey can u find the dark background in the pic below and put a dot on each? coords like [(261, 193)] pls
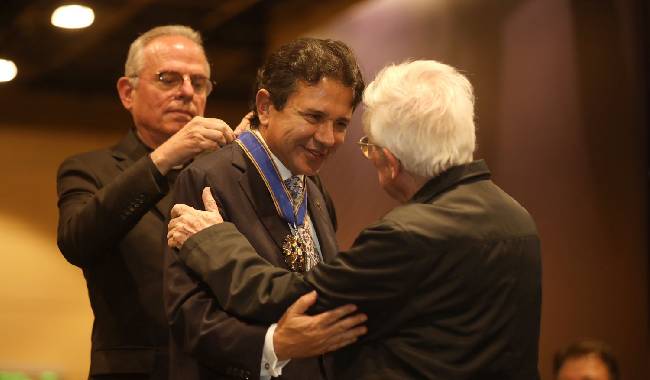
[(562, 100)]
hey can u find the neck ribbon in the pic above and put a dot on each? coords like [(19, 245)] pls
[(260, 155)]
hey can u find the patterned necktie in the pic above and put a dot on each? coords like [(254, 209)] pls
[(295, 185)]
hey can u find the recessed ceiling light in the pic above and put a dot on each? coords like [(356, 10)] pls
[(73, 17), (8, 70)]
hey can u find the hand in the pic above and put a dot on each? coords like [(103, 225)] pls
[(244, 124), (198, 135), (186, 220), (301, 336)]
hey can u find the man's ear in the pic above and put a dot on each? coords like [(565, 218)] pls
[(392, 162), (263, 103), (125, 90)]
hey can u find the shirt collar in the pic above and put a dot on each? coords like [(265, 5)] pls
[(285, 173), (132, 147)]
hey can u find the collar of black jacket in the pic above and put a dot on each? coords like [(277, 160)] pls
[(474, 171), (131, 146)]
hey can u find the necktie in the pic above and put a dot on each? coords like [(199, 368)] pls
[(296, 190), (295, 185)]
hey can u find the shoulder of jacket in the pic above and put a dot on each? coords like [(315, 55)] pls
[(216, 160), (89, 157)]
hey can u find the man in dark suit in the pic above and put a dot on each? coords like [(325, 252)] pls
[(113, 203), (306, 93), (450, 280)]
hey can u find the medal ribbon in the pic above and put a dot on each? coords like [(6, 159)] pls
[(260, 155)]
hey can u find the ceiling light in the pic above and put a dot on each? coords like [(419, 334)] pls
[(73, 17), (8, 70)]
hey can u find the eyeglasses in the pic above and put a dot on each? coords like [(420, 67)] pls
[(366, 147), (169, 80)]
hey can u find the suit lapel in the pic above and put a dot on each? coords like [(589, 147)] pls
[(321, 221), (255, 189), (129, 150), (253, 186)]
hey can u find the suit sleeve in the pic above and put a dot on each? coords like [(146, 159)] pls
[(382, 267), (94, 216), (199, 326), (244, 283)]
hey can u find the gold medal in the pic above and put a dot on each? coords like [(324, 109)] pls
[(294, 250)]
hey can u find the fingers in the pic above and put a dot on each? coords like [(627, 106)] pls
[(179, 230), (171, 243), (171, 226), (175, 239), (344, 341), (173, 232), (177, 226), (332, 316), (213, 139), (303, 303), (350, 323), (345, 332), (209, 131), (220, 126), (187, 221), (198, 135), (247, 117), (298, 335), (244, 124), (179, 209), (208, 200)]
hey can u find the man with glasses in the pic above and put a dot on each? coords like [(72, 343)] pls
[(450, 280), (113, 202)]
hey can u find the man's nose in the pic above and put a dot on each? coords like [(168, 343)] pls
[(186, 88), (325, 134)]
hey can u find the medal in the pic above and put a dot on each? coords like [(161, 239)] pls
[(293, 249)]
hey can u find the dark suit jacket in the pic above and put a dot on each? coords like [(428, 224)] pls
[(451, 284), (206, 342), (112, 206)]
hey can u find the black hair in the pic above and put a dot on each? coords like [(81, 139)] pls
[(308, 60)]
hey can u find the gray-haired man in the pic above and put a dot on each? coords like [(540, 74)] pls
[(450, 280), (113, 202)]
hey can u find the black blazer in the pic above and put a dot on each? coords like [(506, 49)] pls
[(206, 342), (112, 207), (451, 283)]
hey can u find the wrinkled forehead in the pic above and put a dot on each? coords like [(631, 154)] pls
[(175, 53)]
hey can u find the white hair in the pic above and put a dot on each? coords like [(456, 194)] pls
[(134, 62), (423, 112)]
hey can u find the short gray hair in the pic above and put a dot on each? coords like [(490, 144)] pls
[(423, 112), (134, 63)]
